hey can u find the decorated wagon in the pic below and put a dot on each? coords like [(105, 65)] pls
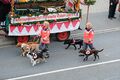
[(26, 18)]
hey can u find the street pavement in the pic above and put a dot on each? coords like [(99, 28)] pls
[(62, 63), (101, 72), (13, 65)]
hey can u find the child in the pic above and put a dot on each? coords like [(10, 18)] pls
[(45, 36), (88, 37)]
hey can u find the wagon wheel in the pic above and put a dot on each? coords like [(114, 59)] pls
[(62, 36), (21, 39)]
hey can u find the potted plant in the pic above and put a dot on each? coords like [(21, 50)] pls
[(88, 3)]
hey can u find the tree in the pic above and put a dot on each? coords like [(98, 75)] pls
[(88, 3)]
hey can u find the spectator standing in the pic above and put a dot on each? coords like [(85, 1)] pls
[(112, 8)]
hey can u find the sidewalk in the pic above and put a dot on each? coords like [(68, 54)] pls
[(4, 40), (98, 16)]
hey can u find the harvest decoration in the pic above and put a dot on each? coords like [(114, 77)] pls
[(77, 5)]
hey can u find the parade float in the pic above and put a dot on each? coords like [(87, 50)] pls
[(26, 18)]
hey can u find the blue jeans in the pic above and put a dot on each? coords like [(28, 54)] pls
[(43, 46), (85, 46)]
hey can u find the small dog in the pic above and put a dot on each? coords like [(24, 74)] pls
[(87, 53), (25, 47), (38, 56), (73, 42)]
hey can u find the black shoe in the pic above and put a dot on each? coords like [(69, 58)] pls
[(110, 18), (114, 17)]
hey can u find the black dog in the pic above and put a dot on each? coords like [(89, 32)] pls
[(73, 42), (87, 53)]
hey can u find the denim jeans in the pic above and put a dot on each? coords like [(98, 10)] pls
[(43, 46), (85, 46)]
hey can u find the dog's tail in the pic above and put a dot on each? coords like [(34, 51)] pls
[(100, 50)]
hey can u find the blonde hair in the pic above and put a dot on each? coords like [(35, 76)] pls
[(88, 24), (46, 23)]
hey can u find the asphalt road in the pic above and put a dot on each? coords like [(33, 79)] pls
[(66, 64), (12, 65)]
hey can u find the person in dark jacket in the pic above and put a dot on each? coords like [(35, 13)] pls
[(112, 8)]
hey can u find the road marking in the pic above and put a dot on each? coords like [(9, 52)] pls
[(101, 31), (66, 69)]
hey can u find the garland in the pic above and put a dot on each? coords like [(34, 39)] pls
[(50, 21), (29, 2), (57, 20), (37, 14), (89, 2)]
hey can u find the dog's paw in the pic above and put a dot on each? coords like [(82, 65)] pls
[(78, 48), (34, 63), (94, 60), (32, 60), (45, 61), (81, 55), (85, 59), (47, 55), (66, 48), (21, 55)]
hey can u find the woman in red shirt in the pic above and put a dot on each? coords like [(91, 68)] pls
[(88, 37)]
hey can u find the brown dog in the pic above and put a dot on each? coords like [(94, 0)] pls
[(87, 53), (25, 47)]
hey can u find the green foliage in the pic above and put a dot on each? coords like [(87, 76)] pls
[(50, 21), (90, 2)]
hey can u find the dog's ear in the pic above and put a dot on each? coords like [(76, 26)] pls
[(30, 49), (33, 50)]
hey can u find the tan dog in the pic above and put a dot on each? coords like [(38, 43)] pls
[(25, 47)]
